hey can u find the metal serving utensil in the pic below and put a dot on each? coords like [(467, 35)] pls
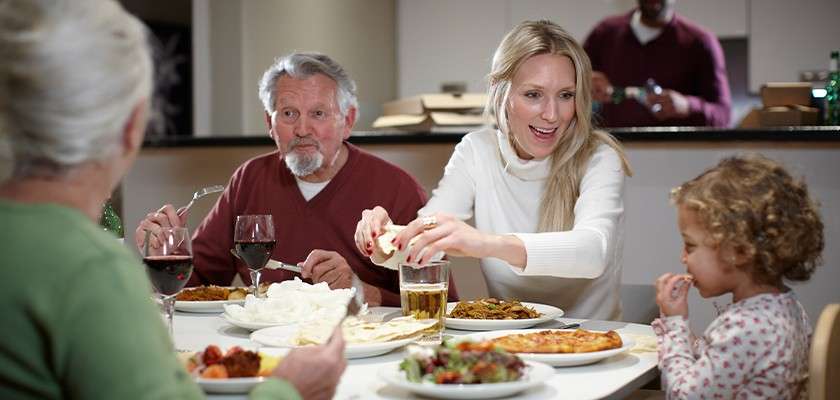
[(199, 194), (357, 302), (274, 264)]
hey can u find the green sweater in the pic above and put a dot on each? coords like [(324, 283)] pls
[(77, 318)]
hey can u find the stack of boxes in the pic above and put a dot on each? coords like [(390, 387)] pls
[(783, 104), (440, 112)]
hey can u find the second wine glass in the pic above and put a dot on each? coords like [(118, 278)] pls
[(254, 241)]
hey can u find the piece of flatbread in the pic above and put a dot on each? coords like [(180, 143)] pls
[(394, 257), (357, 331)]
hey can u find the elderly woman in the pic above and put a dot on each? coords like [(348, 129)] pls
[(545, 189), (78, 321)]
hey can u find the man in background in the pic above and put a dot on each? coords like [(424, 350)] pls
[(683, 59)]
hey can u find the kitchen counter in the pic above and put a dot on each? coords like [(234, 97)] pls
[(642, 134)]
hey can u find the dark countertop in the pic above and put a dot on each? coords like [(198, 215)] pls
[(648, 134)]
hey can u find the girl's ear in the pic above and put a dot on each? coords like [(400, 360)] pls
[(736, 256)]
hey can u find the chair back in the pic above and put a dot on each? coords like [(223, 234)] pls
[(824, 368), (638, 303)]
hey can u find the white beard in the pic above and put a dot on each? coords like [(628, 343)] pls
[(303, 164)]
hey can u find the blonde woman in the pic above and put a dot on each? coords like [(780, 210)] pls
[(545, 189)]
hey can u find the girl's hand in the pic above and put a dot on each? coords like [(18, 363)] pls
[(441, 232), (371, 226), (672, 294)]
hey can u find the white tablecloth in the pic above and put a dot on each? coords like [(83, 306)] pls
[(615, 377)]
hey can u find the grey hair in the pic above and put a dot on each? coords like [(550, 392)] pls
[(303, 65), (71, 72)]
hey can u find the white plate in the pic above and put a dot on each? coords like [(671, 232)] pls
[(215, 306), (280, 336), (230, 385), (548, 313), (251, 326), (536, 374), (557, 359)]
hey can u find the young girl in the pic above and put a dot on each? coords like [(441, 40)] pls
[(746, 225)]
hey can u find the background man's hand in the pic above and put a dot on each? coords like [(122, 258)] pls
[(673, 104), (601, 87)]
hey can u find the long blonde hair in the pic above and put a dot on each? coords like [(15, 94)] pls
[(576, 146)]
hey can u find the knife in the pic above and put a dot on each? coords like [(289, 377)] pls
[(274, 264)]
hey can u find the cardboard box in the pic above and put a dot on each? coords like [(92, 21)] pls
[(432, 122), (788, 116), (751, 120), (427, 103), (786, 94)]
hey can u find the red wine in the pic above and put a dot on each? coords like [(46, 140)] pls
[(255, 254), (169, 274)]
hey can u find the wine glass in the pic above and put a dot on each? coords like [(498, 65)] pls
[(253, 240), (169, 266)]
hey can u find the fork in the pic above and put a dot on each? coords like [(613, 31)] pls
[(199, 194), (356, 302)]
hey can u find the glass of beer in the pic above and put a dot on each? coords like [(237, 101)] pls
[(423, 293)]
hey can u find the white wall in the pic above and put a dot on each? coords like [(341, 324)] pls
[(246, 36), (652, 244), (788, 37)]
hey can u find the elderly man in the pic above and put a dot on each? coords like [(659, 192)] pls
[(654, 42), (315, 185)]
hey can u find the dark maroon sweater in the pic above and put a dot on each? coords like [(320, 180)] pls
[(264, 185), (684, 57)]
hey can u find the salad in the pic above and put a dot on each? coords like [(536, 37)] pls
[(464, 362)]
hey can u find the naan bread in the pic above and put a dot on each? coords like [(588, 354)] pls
[(357, 331), (393, 257)]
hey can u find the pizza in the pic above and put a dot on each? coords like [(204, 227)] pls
[(559, 341)]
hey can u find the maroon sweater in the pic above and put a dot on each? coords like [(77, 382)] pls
[(264, 185), (684, 57)]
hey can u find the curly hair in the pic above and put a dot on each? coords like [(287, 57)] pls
[(752, 204)]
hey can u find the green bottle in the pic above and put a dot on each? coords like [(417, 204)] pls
[(832, 92), (110, 221)]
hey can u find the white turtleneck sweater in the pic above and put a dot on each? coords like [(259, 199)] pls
[(577, 270)]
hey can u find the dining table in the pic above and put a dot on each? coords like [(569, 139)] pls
[(613, 378)]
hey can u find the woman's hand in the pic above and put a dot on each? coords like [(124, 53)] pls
[(371, 226), (672, 294), (444, 232)]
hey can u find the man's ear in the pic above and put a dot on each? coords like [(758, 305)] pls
[(349, 121), (268, 122), (135, 128)]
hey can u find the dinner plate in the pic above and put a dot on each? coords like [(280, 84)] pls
[(548, 313), (281, 336), (214, 306), (556, 359), (536, 374), (251, 326)]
